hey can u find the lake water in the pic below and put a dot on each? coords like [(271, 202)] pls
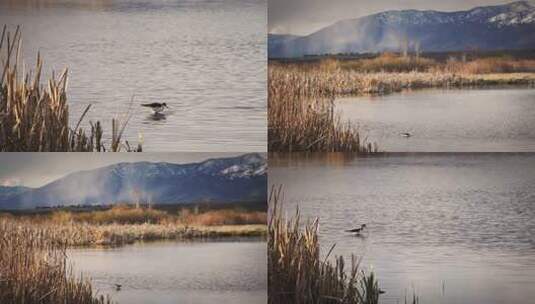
[(178, 272), (475, 120), (453, 228), (205, 58)]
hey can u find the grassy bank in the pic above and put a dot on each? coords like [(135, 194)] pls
[(33, 260), (299, 274), (34, 269), (301, 116), (125, 224), (35, 118), (331, 78), (301, 95)]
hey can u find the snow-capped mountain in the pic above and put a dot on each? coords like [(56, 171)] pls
[(508, 26), (222, 180)]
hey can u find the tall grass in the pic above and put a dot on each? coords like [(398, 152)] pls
[(222, 217), (301, 111), (34, 269), (299, 274), (36, 118), (301, 116), (129, 215), (124, 225), (390, 63), (394, 63), (490, 65)]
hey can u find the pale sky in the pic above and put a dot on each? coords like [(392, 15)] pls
[(37, 169), (302, 17)]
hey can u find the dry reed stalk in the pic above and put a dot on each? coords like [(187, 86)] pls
[(301, 95), (34, 269), (124, 225), (301, 116), (298, 273), (35, 118)]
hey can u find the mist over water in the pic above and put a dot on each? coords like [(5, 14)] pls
[(456, 228), (205, 59)]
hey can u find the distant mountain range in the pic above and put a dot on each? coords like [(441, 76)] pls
[(222, 180), (500, 27)]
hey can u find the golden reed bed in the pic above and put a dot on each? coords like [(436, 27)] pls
[(35, 118), (33, 260), (301, 112), (299, 273), (34, 269), (125, 225)]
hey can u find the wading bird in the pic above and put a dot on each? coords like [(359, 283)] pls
[(155, 106), (357, 230)]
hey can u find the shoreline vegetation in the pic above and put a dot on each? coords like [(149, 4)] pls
[(34, 265), (34, 269), (297, 272), (35, 118), (302, 93), (124, 224)]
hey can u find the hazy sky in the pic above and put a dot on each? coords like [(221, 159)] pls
[(37, 169), (302, 17)]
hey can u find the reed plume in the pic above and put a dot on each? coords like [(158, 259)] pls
[(35, 118), (299, 274)]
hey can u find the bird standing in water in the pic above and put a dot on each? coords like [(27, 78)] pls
[(156, 107), (357, 231)]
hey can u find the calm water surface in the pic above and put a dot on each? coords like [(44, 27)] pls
[(477, 120), (178, 272), (454, 228), (205, 58)]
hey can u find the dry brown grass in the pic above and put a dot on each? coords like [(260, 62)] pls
[(493, 65), (390, 63), (223, 217), (297, 273), (75, 234), (301, 112), (34, 269), (301, 115), (394, 63), (130, 215), (117, 215), (124, 225), (36, 118)]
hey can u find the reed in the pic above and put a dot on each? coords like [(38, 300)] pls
[(88, 235), (394, 63), (34, 269), (301, 115), (130, 215), (492, 65), (121, 215), (125, 225), (313, 81), (222, 217), (301, 111), (299, 274), (34, 118)]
